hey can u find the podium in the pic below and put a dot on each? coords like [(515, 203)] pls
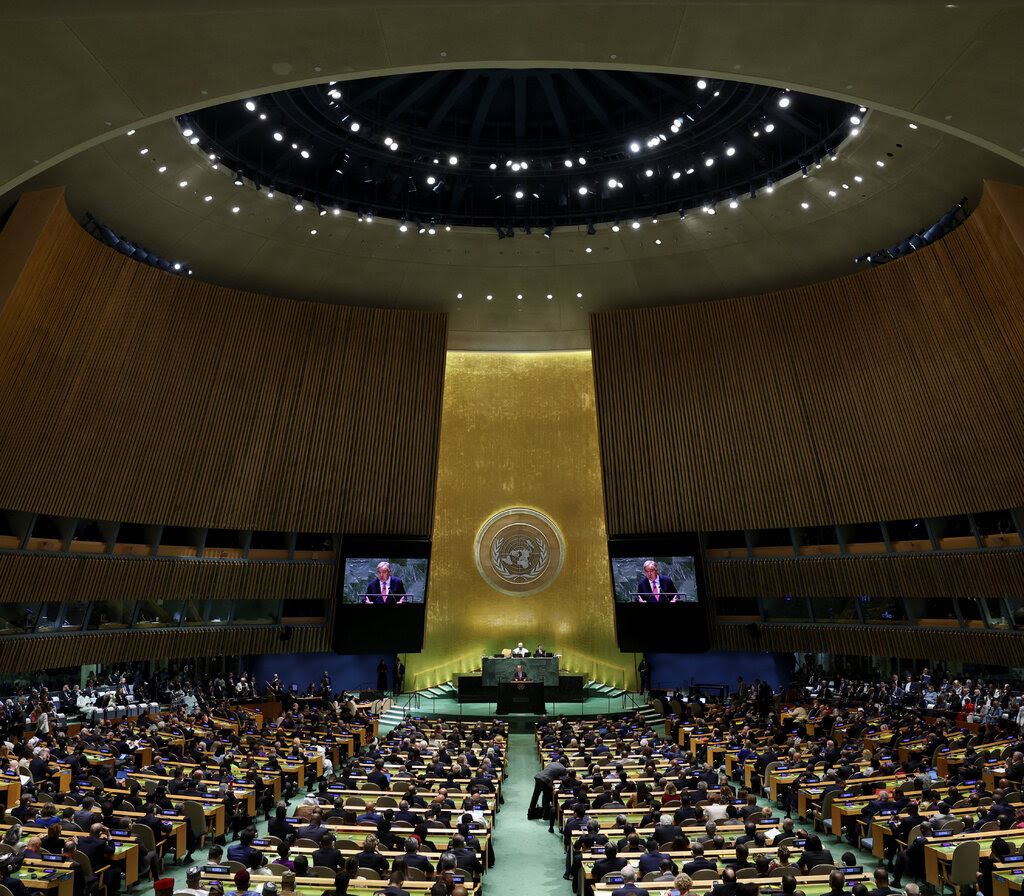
[(520, 696)]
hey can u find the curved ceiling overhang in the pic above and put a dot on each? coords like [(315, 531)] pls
[(75, 83)]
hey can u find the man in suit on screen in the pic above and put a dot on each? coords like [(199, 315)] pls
[(386, 588), (654, 588)]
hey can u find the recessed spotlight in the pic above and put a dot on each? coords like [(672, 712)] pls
[(187, 132), (519, 296), (278, 136), (458, 295), (832, 193), (263, 116), (431, 180), (579, 295), (858, 178), (702, 84), (194, 141), (207, 198), (615, 227), (235, 210), (783, 102), (299, 206), (403, 227), (730, 151), (588, 250), (912, 126), (550, 296), (313, 232), (734, 203), (519, 194), (880, 163), (250, 105), (634, 147), (162, 169), (768, 128), (854, 132), (132, 131), (582, 160), (183, 183), (582, 191), (494, 166), (304, 153), (676, 175), (708, 163), (143, 151), (568, 163), (657, 242), (490, 298), (354, 127), (453, 160), (805, 205)]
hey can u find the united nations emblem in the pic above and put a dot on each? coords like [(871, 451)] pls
[(519, 551)]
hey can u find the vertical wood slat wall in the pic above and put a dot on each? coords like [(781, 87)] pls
[(127, 393), (888, 394)]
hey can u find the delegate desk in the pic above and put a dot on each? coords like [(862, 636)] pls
[(496, 669), (938, 854), (521, 696)]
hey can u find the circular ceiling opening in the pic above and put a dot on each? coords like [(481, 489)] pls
[(520, 148)]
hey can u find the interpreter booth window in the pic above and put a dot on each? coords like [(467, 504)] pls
[(49, 616), (998, 617), (257, 612), (18, 619), (971, 611), (111, 614), (785, 609), (835, 609), (219, 612), (193, 613), (75, 614), (1016, 608), (933, 610), (738, 607), (304, 609), (883, 611), (160, 614)]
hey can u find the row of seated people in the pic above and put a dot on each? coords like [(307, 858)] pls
[(759, 744)]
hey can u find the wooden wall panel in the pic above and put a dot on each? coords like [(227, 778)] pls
[(990, 648), (62, 651), (127, 393), (35, 577), (889, 394)]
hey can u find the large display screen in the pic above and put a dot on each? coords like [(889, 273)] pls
[(657, 583), (653, 580), (381, 594), (379, 581)]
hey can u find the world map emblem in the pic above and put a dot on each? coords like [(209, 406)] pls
[(519, 551)]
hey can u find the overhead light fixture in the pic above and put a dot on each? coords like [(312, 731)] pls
[(615, 226), (549, 230), (636, 223), (238, 178), (298, 204), (590, 227)]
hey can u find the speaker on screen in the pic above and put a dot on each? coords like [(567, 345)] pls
[(658, 585), (381, 594)]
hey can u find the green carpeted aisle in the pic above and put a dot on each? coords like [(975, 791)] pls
[(528, 860)]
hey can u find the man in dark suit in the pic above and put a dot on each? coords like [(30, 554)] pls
[(654, 588), (629, 887), (328, 855), (699, 863), (612, 861), (651, 860), (465, 856), (100, 852), (386, 588), (413, 859)]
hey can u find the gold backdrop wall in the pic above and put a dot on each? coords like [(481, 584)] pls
[(519, 430)]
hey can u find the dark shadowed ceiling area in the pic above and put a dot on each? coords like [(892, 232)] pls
[(93, 100)]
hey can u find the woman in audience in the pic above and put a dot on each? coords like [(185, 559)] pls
[(781, 859)]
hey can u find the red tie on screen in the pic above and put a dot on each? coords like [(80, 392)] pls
[(384, 590), (655, 584)]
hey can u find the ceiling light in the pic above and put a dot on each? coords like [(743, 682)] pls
[(336, 211), (549, 230), (278, 136), (519, 194), (854, 119), (880, 163), (636, 224), (515, 166), (298, 204), (388, 141), (403, 227), (453, 160), (304, 153), (519, 295), (582, 160), (734, 202), (702, 84), (582, 191), (394, 146), (183, 184), (194, 141), (730, 151), (494, 166), (615, 226), (588, 250), (313, 232), (207, 198), (550, 296), (270, 192), (805, 205), (431, 230), (131, 132), (657, 242), (458, 295), (709, 209), (431, 180), (676, 175), (250, 105), (783, 102), (912, 126), (709, 162), (858, 178), (238, 179), (235, 210), (568, 163), (143, 151), (490, 298), (768, 128), (634, 147), (649, 172), (187, 132), (832, 193), (354, 127), (579, 295)]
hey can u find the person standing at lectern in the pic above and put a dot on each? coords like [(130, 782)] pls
[(653, 588), (386, 588), (519, 674)]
